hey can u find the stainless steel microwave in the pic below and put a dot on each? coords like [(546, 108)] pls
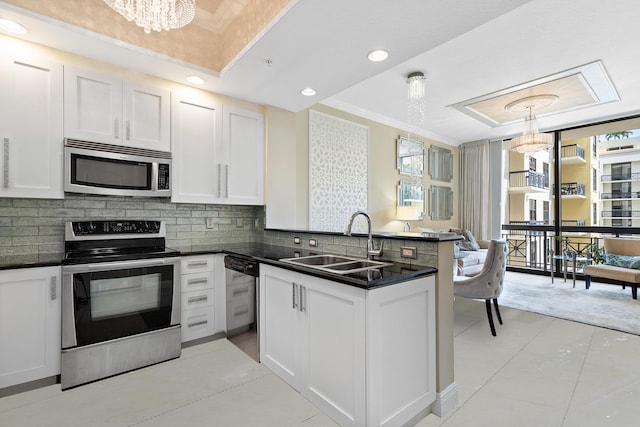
[(96, 168)]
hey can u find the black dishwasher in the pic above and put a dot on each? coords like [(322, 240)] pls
[(242, 315)]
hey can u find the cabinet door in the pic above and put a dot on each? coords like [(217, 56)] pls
[(29, 324), (146, 117), (279, 318), (243, 138), (92, 106), (30, 127), (333, 357), (196, 131)]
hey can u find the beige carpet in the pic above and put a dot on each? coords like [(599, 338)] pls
[(607, 306)]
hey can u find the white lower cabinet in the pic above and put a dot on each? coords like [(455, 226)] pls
[(364, 357), (29, 324), (199, 300)]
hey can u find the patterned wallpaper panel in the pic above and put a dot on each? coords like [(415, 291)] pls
[(338, 152)]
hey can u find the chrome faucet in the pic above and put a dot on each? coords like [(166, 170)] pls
[(371, 251)]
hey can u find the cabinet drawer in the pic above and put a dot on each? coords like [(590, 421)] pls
[(240, 315), (197, 299), (196, 281), (197, 323), (196, 264)]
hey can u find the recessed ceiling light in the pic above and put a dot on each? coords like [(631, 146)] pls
[(11, 26), (195, 80), (308, 91), (378, 55)]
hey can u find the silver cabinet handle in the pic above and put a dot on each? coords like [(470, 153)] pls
[(240, 313), (116, 128), (226, 181), (240, 291), (5, 163), (198, 323), (193, 282), (197, 299), (294, 303), (303, 303), (219, 167), (53, 288), (197, 264), (128, 129)]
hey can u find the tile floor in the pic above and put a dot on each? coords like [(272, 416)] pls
[(539, 371)]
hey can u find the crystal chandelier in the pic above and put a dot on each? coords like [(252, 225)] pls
[(531, 139), (156, 15), (416, 99)]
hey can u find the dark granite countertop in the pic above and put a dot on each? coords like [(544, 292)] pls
[(270, 254), (267, 254)]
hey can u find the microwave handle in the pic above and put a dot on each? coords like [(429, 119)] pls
[(154, 176)]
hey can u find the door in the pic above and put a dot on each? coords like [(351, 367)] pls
[(243, 138), (92, 106), (146, 117), (30, 127), (279, 323), (29, 324), (196, 132)]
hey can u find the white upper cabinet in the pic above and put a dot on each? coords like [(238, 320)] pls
[(243, 142), (218, 152), (30, 127), (196, 132), (101, 108)]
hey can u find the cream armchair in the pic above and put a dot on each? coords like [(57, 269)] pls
[(487, 284)]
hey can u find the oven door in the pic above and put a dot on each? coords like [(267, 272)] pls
[(112, 300)]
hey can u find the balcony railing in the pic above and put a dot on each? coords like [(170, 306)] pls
[(529, 245), (572, 189), (621, 177), (620, 195), (573, 222), (620, 213), (528, 178), (573, 150)]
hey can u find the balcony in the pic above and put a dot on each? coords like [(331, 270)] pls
[(528, 181), (572, 190), (617, 195), (621, 177), (572, 155), (620, 213)]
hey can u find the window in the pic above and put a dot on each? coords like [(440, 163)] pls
[(594, 147), (545, 171), (620, 190), (594, 221), (532, 163), (594, 179), (545, 211), (533, 212), (621, 171), (621, 209), (617, 222)]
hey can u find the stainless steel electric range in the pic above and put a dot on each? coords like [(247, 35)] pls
[(120, 299)]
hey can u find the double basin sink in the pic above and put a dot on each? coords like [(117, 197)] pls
[(336, 263)]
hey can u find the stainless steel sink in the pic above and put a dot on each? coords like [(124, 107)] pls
[(336, 263)]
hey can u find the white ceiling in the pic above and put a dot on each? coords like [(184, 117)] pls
[(466, 48)]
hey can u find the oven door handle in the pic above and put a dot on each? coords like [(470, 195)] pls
[(115, 265)]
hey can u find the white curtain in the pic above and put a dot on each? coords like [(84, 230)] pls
[(475, 190)]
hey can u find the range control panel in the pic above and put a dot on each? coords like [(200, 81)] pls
[(93, 228)]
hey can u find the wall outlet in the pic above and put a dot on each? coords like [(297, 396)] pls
[(408, 252), (313, 243), (209, 222), (296, 240)]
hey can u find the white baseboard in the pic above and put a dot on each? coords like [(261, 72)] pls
[(446, 400)]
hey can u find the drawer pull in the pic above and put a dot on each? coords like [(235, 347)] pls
[(197, 264), (198, 323), (240, 291), (197, 299), (241, 313), (193, 282)]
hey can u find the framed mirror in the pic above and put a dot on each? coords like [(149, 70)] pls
[(412, 194), (410, 156), (440, 202), (440, 164)]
